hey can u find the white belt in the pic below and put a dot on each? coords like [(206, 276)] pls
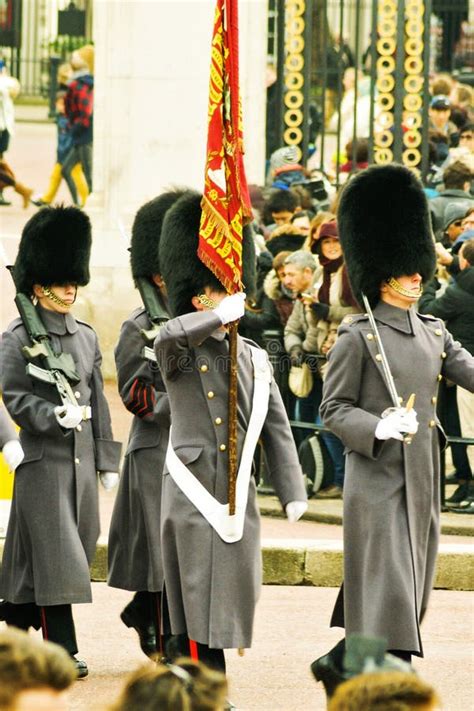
[(230, 528)]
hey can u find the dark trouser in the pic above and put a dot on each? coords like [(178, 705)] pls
[(83, 155), (181, 646), (56, 622)]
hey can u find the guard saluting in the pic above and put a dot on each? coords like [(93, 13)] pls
[(392, 487), (212, 562), (53, 389), (134, 539)]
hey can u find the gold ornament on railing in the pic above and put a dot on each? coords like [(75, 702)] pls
[(294, 78), (413, 83), (385, 83), (412, 78)]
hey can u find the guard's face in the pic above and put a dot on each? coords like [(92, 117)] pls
[(410, 286), (56, 297)]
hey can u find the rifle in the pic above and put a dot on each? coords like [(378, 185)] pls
[(58, 368), (156, 312)]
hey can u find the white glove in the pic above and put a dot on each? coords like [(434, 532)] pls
[(397, 423), (13, 454), (231, 308), (295, 509), (109, 480), (68, 416)]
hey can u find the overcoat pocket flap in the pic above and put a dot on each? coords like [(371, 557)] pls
[(188, 454)]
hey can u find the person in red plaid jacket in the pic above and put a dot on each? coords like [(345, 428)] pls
[(79, 105)]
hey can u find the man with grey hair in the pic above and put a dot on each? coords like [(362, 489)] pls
[(301, 274)]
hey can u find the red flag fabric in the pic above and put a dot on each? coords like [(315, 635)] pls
[(226, 202)]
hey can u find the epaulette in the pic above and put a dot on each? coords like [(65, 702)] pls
[(84, 323), (428, 317), (351, 319)]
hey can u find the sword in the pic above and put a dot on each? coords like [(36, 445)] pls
[(396, 401)]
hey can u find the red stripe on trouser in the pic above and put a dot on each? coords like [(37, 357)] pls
[(193, 650), (158, 623), (44, 626)]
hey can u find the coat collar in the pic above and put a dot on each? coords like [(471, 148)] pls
[(399, 319), (59, 324)]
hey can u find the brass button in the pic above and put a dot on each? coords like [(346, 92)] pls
[(370, 336), (77, 394), (79, 428), (218, 420), (443, 355), (438, 332), (222, 447), (378, 357), (440, 377), (77, 460), (434, 399), (432, 423), (210, 394), (204, 368)]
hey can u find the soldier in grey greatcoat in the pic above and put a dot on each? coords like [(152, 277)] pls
[(54, 522), (9, 442), (134, 548), (212, 579), (392, 486)]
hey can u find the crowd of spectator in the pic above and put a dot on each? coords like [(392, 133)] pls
[(303, 292)]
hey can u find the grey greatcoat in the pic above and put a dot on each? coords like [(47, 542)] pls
[(134, 538), (391, 489), (54, 521), (7, 431), (212, 586)]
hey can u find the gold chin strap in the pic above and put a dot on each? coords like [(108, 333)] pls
[(49, 293), (396, 286), (206, 301)]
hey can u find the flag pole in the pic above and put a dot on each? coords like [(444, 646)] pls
[(225, 204)]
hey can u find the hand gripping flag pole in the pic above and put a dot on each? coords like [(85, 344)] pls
[(225, 204)]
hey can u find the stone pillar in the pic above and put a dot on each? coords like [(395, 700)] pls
[(150, 126)]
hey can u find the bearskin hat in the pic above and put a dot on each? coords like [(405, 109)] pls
[(184, 273), (384, 229), (54, 248), (146, 233)]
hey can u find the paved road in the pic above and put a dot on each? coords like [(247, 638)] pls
[(291, 630)]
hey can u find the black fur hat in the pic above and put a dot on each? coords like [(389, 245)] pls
[(184, 274), (55, 248), (384, 229), (146, 233)]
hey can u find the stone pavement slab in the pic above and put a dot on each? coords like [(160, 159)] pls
[(291, 629)]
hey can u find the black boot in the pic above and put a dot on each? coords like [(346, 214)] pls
[(139, 614), (329, 670)]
